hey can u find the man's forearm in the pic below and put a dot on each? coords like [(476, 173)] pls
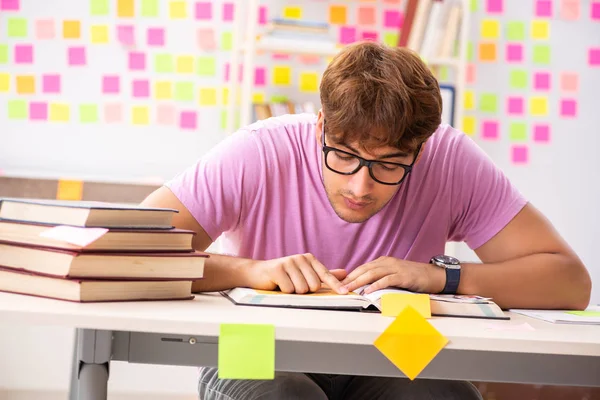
[(551, 281), (221, 273)]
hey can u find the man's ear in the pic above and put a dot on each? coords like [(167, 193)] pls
[(319, 127), (421, 150)]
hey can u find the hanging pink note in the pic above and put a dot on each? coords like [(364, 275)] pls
[(126, 35)]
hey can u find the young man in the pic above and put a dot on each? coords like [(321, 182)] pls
[(367, 193)]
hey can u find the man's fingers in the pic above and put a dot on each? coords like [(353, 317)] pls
[(282, 279), (310, 275), (296, 276), (339, 273), (327, 277), (368, 277), (356, 273)]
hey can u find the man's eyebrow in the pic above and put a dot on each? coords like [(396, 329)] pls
[(391, 155)]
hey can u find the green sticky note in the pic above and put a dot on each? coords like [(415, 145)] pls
[(246, 351), (17, 27), (149, 8), (17, 109), (488, 102), (541, 54), (3, 53), (474, 6), (163, 63), (207, 66), (391, 38), (470, 51), (518, 131), (518, 79), (88, 113), (515, 31), (226, 41), (586, 313), (279, 98), (444, 74), (184, 91), (99, 7)]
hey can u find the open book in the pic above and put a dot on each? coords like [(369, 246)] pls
[(441, 305)]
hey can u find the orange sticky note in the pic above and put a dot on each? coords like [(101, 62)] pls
[(392, 304), (487, 51), (125, 8), (71, 29), (338, 14), (25, 84), (410, 342), (69, 190)]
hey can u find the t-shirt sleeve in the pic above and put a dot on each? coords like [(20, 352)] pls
[(218, 188), (483, 200)]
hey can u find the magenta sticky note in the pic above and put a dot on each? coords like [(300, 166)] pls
[(140, 88), (595, 10), (489, 130), (568, 108), (494, 6), (155, 37), (206, 39), (594, 56), (228, 10), (126, 35), (51, 83), (137, 61), (263, 15), (369, 35), (113, 112), (165, 114), (260, 76), (74, 235), (188, 120), (569, 81), (110, 84), (204, 10), (515, 105), (570, 10), (541, 133), (281, 56), (393, 19), (543, 8), (347, 34), (10, 5), (514, 52), (38, 111), (23, 54), (44, 29), (520, 154), (76, 55), (541, 81)]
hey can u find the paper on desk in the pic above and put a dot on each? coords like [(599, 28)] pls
[(246, 351), (587, 317), (74, 235), (392, 304)]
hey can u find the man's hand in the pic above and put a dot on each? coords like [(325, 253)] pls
[(300, 273), (392, 272)]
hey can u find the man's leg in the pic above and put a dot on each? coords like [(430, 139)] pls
[(286, 385), (366, 387)]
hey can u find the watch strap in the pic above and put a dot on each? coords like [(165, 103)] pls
[(452, 281)]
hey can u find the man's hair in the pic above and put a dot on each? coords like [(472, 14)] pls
[(376, 95)]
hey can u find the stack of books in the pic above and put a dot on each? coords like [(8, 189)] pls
[(94, 251)]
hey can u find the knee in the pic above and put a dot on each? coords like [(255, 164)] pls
[(443, 389)]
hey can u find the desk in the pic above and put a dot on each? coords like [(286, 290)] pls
[(186, 333)]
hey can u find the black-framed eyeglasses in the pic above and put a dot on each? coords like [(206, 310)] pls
[(345, 163)]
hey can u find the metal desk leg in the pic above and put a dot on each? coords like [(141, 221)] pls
[(93, 351)]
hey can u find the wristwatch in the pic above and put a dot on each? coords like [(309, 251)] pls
[(452, 267)]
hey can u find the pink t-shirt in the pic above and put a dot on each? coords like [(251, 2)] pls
[(262, 189)]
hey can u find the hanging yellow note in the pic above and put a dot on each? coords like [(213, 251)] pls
[(126, 8), (208, 97), (4, 82), (469, 100), (26, 84), (69, 190), (258, 98), (410, 342), (282, 75), (490, 29), (392, 304), (225, 96), (71, 29), (99, 34), (140, 115), (309, 82), (184, 65), (59, 112), (540, 30), (163, 90), (538, 106), (292, 12), (468, 125), (177, 10)]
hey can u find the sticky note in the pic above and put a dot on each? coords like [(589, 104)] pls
[(519, 154), (137, 61), (541, 133), (292, 12), (99, 8), (71, 29), (59, 112), (514, 52), (177, 9), (391, 38), (206, 66), (23, 54), (99, 34), (391, 19), (155, 37), (490, 130), (347, 34), (110, 84), (517, 131), (76, 55), (570, 10), (282, 75), (258, 98), (149, 8), (4, 82), (17, 109), (569, 81), (184, 65), (226, 41), (494, 6), (568, 107), (10, 5), (488, 102), (188, 120), (163, 90), (208, 97), (140, 88), (538, 106), (585, 313), (88, 113), (594, 56), (74, 235), (38, 111), (205, 38), (203, 10), (246, 351), (392, 304), (69, 190), (44, 29), (338, 14), (25, 84), (471, 73), (113, 113), (140, 115), (279, 98), (541, 81), (163, 63), (595, 10), (263, 15), (490, 29), (369, 35), (4, 54), (540, 30), (260, 76), (543, 8), (165, 114), (518, 79), (515, 105), (125, 8), (469, 100), (487, 52), (223, 119), (228, 10), (309, 82), (17, 27), (541, 54), (515, 31), (184, 91), (470, 51), (366, 15), (126, 35), (468, 125), (473, 6), (410, 342)]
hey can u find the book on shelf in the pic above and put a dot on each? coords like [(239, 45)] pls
[(267, 110), (297, 26), (326, 299)]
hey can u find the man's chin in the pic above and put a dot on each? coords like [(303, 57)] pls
[(353, 217)]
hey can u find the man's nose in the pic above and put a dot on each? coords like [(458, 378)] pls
[(361, 183)]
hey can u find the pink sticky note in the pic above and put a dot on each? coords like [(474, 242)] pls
[(51, 83), (570, 10), (203, 10), (308, 59), (206, 39), (520, 154), (541, 81), (281, 56), (514, 52), (263, 13), (369, 35), (23, 54), (9, 5), (569, 81), (76, 55), (515, 105), (140, 88), (110, 84), (44, 29), (165, 114), (594, 56), (489, 130), (226, 72), (156, 37), (74, 235), (541, 133), (543, 8), (228, 10), (595, 10), (366, 15), (113, 112), (470, 73), (137, 61), (38, 111), (126, 35), (347, 35), (188, 120), (501, 326), (494, 6), (568, 108), (393, 19), (260, 74)]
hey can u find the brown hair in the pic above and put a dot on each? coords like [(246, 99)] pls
[(378, 95)]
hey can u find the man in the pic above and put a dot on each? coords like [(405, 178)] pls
[(368, 192)]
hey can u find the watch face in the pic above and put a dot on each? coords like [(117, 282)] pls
[(448, 260)]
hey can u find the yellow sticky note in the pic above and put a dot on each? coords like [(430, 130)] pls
[(208, 97), (4, 82), (225, 96), (392, 304), (282, 75), (338, 14), (258, 98), (126, 8), (177, 10), (309, 82), (25, 84), (99, 34), (490, 29), (184, 65), (246, 351), (59, 112), (469, 100), (292, 12), (540, 29), (410, 342), (69, 190), (163, 90), (71, 29), (468, 125), (140, 115), (538, 106)]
